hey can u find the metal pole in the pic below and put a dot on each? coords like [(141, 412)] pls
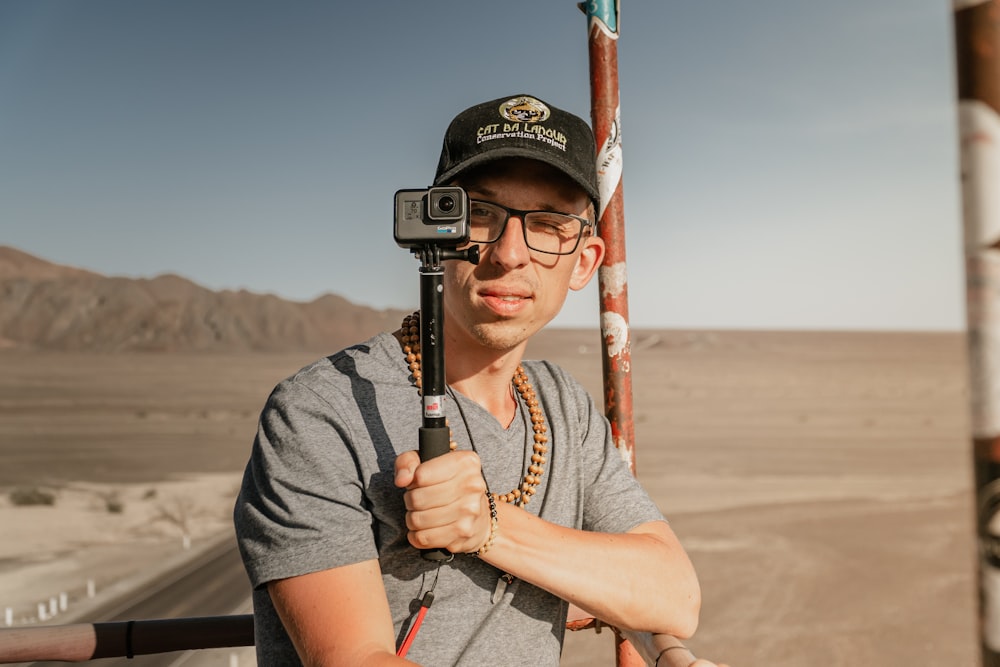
[(977, 46), (88, 641), (605, 113), (612, 276)]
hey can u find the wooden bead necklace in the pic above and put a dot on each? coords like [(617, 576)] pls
[(410, 334)]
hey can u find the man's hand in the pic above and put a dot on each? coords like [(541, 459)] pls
[(446, 504), (681, 657), (665, 651)]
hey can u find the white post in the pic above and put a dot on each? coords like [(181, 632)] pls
[(53, 606), (187, 541), (91, 588), (42, 614), (8, 617), (63, 601), (234, 660)]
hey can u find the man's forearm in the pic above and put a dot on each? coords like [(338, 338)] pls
[(638, 580)]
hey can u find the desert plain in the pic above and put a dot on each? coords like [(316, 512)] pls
[(820, 481)]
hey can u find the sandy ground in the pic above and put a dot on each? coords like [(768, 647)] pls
[(78, 548), (821, 482)]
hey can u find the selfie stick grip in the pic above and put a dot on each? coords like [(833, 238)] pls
[(434, 441)]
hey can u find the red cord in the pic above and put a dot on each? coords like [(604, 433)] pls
[(425, 604)]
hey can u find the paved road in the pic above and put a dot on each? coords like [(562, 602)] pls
[(213, 584)]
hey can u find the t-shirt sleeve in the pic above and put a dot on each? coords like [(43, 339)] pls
[(301, 506), (614, 501)]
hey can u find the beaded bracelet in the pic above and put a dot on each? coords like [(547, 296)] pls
[(493, 527)]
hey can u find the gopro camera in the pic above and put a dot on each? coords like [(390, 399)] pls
[(435, 216)]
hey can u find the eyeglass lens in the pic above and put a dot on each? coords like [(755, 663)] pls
[(544, 231)]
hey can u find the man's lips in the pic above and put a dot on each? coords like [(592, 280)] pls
[(506, 302), (505, 295)]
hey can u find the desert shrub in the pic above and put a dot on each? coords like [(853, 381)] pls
[(28, 496), (114, 503), (179, 511)]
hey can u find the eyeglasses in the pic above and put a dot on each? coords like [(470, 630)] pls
[(544, 231)]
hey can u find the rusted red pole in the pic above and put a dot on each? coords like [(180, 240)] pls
[(605, 114), (977, 47)]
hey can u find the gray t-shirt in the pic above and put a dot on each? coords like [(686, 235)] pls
[(318, 493)]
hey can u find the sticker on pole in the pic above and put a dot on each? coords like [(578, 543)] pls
[(609, 163), (604, 14), (433, 406)]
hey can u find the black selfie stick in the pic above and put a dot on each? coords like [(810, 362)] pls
[(434, 438)]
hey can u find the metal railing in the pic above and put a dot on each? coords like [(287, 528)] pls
[(80, 642)]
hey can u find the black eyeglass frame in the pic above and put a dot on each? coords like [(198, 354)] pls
[(584, 224)]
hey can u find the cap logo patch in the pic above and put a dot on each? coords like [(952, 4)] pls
[(523, 113), (525, 110)]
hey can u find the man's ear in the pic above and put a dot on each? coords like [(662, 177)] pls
[(590, 257)]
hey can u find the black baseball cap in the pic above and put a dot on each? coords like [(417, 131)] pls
[(520, 126)]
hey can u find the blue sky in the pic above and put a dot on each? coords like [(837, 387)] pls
[(788, 165)]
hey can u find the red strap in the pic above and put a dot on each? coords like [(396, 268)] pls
[(425, 604)]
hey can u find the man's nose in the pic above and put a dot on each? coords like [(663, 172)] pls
[(510, 250)]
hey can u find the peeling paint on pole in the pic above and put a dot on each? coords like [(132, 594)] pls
[(977, 46), (614, 280), (614, 328)]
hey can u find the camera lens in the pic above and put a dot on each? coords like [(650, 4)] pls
[(446, 204)]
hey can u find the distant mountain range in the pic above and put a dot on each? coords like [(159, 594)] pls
[(53, 307)]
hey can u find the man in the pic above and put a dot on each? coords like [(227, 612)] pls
[(534, 501)]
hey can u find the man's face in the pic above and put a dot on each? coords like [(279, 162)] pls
[(514, 291)]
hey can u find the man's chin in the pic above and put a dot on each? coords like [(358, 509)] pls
[(503, 335)]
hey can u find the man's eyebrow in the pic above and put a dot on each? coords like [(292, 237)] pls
[(488, 193), (482, 190)]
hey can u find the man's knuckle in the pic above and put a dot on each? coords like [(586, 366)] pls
[(470, 460)]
